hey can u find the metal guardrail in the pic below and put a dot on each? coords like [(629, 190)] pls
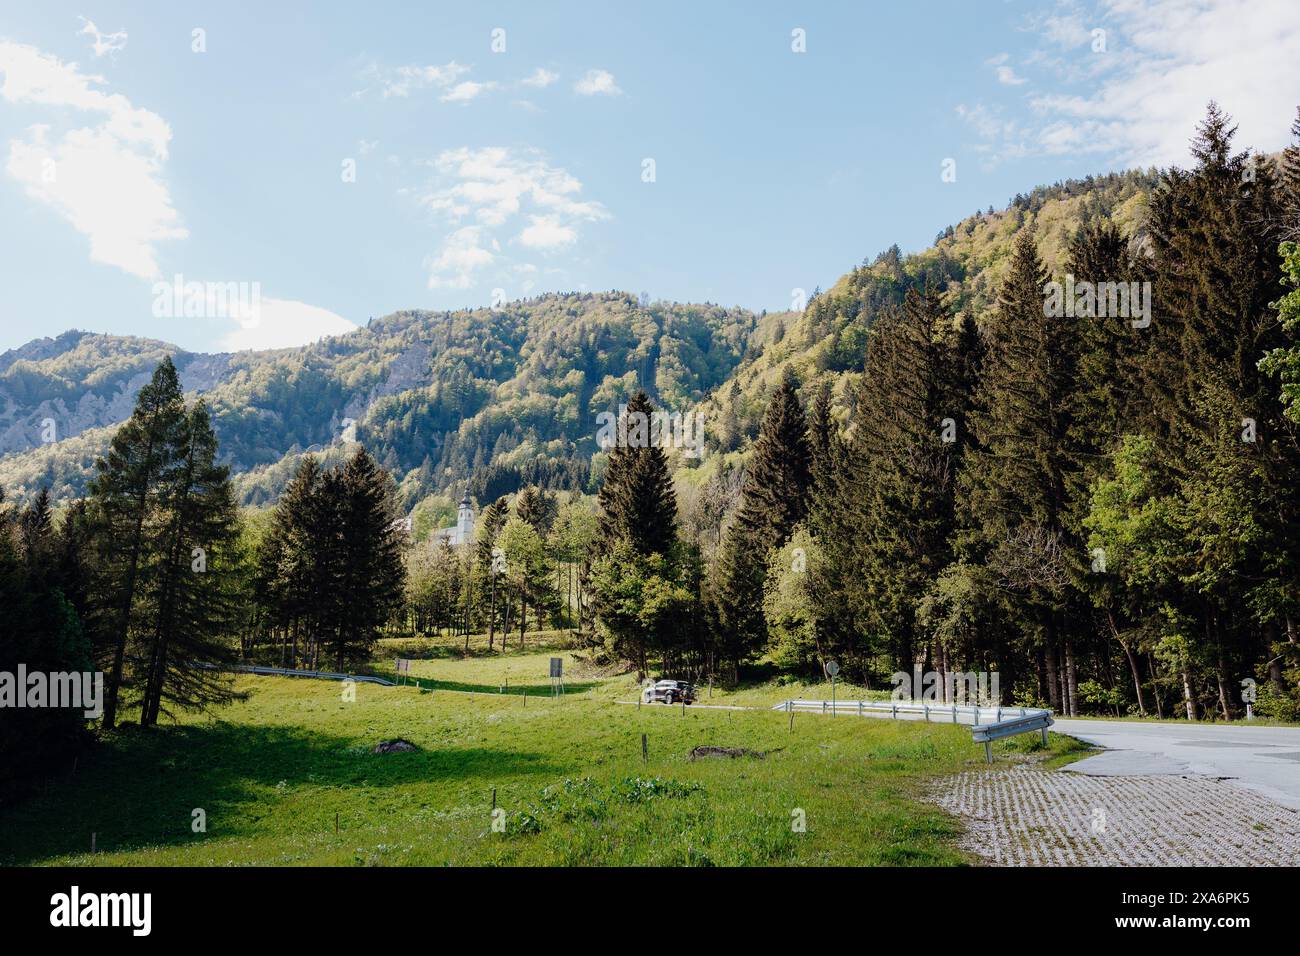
[(987, 723), (286, 672)]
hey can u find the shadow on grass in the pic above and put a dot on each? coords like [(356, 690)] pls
[(140, 788), (428, 649), (516, 690)]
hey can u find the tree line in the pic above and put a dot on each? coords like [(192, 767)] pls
[(1100, 507)]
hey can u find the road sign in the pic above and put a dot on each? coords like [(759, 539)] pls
[(557, 666), (832, 668)]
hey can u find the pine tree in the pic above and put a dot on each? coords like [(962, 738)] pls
[(141, 457), (489, 528), (637, 502), (910, 430), (1024, 470), (191, 614), (773, 500), (370, 581)]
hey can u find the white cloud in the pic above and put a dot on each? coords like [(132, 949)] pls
[(285, 323), (461, 257), (1006, 75), (540, 78), (1138, 101), (466, 91), (103, 42), (402, 81), (104, 179), (484, 193), (547, 232), (597, 83)]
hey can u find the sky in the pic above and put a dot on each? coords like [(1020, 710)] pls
[(259, 175)]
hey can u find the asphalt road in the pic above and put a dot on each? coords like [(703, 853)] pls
[(1263, 759)]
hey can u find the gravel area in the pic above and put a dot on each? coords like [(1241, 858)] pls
[(1024, 815)]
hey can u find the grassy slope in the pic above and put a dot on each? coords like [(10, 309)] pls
[(272, 772)]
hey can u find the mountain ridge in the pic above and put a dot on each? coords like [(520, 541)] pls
[(441, 395)]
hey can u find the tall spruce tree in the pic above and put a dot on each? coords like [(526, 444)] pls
[(141, 459), (1024, 471), (910, 429), (774, 498), (191, 618), (637, 503), (370, 581)]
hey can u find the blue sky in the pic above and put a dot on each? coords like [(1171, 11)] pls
[(129, 158)]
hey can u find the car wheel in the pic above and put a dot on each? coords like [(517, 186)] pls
[(668, 698)]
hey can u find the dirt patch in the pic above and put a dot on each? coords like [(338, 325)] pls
[(1027, 816), (732, 752), (396, 746), (588, 668)]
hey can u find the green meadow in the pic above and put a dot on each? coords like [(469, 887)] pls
[(288, 777)]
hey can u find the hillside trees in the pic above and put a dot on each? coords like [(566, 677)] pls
[(774, 498), (330, 568), (638, 575), (125, 496), (190, 615)]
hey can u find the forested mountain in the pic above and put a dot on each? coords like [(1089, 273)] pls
[(980, 458), (506, 395), (493, 399)]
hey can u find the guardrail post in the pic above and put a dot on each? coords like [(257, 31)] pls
[(997, 719), (988, 752), (977, 715), (859, 708), (1044, 736), (823, 708), (927, 712), (954, 713)]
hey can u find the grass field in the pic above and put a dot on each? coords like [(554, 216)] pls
[(272, 773)]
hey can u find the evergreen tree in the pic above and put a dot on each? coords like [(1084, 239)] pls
[(370, 580), (637, 503), (191, 620), (124, 499), (1024, 471), (910, 430), (773, 500)]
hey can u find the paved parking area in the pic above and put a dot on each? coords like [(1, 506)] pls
[(1263, 759)]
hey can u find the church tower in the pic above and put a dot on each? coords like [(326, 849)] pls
[(465, 521)]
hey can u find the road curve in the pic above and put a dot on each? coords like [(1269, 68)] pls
[(1263, 759)]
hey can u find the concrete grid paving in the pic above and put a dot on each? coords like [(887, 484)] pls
[(1024, 815)]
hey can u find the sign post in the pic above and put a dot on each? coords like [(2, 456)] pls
[(557, 676), (832, 668)]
